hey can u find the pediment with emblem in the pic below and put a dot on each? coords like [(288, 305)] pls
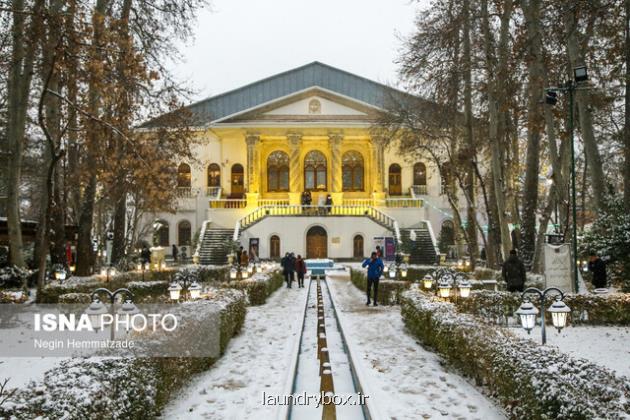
[(311, 105)]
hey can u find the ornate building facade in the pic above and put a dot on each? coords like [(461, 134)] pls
[(305, 130)]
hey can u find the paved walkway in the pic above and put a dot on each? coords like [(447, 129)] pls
[(406, 381), (255, 361)]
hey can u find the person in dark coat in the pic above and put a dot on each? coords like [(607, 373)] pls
[(174, 252), (292, 266), (379, 252), (145, 255), (300, 269), (598, 267), (285, 263), (375, 268), (514, 273), (328, 203)]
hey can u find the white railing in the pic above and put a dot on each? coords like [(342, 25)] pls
[(433, 239), (317, 211), (399, 202), (204, 226), (228, 203), (273, 202), (358, 202), (417, 190), (237, 231), (185, 192), (213, 193)]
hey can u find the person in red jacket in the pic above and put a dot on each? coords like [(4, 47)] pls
[(300, 269)]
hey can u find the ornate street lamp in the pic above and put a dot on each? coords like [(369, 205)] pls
[(558, 310), (97, 308), (444, 289), (464, 288), (233, 273), (195, 290), (392, 271), (403, 271), (174, 290), (427, 281)]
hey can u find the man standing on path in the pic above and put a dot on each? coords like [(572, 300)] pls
[(375, 269), (514, 273), (286, 269), (597, 266)]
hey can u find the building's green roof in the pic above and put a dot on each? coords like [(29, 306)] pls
[(311, 75)]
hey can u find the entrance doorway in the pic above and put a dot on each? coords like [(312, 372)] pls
[(237, 181), (316, 243), (358, 247), (395, 182)]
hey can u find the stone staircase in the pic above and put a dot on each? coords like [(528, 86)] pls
[(422, 249), (214, 243)]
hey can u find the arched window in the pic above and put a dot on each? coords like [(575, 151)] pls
[(395, 184), (420, 174), (352, 171), (161, 234), (184, 233), (315, 171), (357, 246), (278, 171), (274, 247), (214, 175), (183, 176), (238, 181)]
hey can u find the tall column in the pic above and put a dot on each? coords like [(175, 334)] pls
[(295, 174), (253, 181), (378, 158), (334, 140)]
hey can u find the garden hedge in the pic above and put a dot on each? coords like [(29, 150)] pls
[(259, 287), (589, 309), (130, 388), (389, 291), (529, 380)]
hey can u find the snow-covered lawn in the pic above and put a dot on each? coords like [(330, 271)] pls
[(22, 370), (605, 346), (399, 375), (257, 360)]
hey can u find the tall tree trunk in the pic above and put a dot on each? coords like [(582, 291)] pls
[(626, 128), (24, 46), (496, 109), (85, 254), (535, 125), (471, 228), (583, 103)]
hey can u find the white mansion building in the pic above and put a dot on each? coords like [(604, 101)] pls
[(307, 129)]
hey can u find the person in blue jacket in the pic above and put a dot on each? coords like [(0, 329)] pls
[(374, 270)]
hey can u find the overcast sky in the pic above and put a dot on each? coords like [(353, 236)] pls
[(241, 41)]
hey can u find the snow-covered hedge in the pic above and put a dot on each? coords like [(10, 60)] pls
[(13, 277), (389, 291), (613, 309), (152, 286), (530, 381), (259, 287), (117, 388), (17, 296)]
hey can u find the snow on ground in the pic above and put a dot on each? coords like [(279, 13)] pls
[(256, 361), (605, 346), (404, 380), (22, 370)]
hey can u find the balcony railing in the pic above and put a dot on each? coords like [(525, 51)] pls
[(418, 190), (185, 192), (318, 211), (228, 203), (213, 193), (273, 202), (402, 202)]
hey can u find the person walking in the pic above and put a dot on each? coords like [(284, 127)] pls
[(174, 252), (145, 255), (244, 259), (514, 273), (374, 270), (379, 252), (300, 269), (597, 266), (285, 263), (291, 268)]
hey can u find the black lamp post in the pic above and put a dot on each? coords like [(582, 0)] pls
[(97, 308), (528, 312), (580, 75)]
